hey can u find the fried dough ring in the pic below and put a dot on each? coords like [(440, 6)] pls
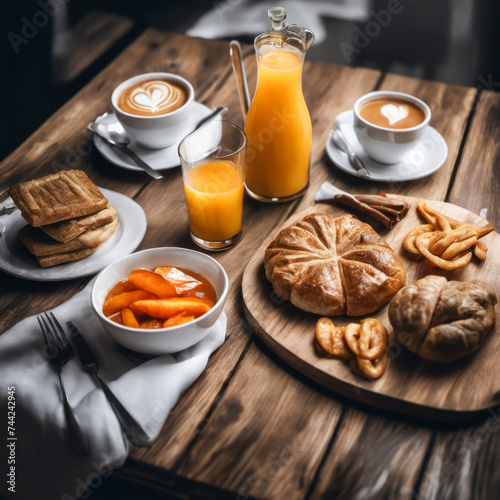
[(422, 209), (331, 339), (429, 215), (434, 217), (409, 241), (368, 340), (422, 243), (458, 247), (455, 235), (487, 229), (480, 250), (370, 369), (351, 335), (444, 239), (363, 344)]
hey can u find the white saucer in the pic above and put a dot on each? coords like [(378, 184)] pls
[(427, 157), (17, 261), (158, 159)]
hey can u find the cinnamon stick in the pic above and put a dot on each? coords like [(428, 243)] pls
[(379, 207), (367, 209)]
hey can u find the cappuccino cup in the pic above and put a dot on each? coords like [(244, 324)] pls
[(154, 108), (389, 124)]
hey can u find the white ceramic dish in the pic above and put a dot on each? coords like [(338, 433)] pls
[(17, 261), (157, 131), (427, 157), (162, 340), (158, 159), (389, 145)]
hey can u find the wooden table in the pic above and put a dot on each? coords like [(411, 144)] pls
[(250, 425)]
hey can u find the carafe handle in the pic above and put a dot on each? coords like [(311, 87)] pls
[(304, 33)]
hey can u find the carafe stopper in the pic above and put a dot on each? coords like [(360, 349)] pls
[(277, 16), (278, 27)]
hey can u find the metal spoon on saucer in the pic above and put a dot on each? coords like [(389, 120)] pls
[(340, 141), (115, 135), (214, 114)]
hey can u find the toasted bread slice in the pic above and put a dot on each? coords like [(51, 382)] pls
[(62, 258), (56, 197), (42, 245), (66, 230)]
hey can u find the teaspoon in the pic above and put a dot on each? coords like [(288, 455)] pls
[(115, 135)]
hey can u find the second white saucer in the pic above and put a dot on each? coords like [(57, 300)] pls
[(427, 157), (158, 159)]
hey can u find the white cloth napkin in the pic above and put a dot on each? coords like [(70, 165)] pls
[(243, 17), (327, 192), (45, 465)]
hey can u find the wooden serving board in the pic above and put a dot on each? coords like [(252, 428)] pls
[(410, 385)]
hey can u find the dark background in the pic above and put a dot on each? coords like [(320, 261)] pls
[(455, 41)]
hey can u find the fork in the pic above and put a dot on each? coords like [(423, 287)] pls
[(89, 362), (59, 351)]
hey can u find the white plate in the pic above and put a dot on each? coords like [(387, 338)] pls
[(427, 157), (16, 260), (157, 159)]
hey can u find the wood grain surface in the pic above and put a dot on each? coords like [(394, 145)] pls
[(477, 183), (384, 469), (410, 385), (229, 435)]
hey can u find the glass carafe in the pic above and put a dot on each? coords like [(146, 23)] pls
[(278, 124)]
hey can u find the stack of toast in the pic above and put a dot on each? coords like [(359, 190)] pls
[(68, 217)]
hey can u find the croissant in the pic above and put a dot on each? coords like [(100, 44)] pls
[(332, 266), (443, 320)]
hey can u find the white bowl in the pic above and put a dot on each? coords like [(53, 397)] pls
[(161, 340), (388, 145), (160, 131)]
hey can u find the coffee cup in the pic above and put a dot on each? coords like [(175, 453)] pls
[(154, 108), (389, 124)]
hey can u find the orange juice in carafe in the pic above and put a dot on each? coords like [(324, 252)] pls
[(278, 125)]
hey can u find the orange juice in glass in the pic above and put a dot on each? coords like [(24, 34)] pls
[(278, 124), (213, 159)]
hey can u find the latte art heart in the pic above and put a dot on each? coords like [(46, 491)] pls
[(153, 97), (149, 100), (394, 113)]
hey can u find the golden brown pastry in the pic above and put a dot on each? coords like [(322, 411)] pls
[(333, 266), (443, 320)]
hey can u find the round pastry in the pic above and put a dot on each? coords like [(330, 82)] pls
[(443, 320), (333, 266)]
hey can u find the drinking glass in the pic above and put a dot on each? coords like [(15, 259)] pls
[(213, 163)]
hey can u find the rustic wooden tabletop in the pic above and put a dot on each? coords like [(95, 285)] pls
[(251, 426)]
